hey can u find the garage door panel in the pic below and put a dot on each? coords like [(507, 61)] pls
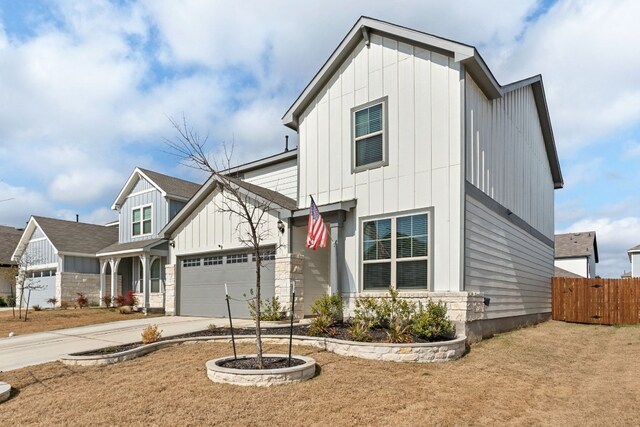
[(202, 290)]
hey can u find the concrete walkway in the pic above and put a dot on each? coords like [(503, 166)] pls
[(34, 349)]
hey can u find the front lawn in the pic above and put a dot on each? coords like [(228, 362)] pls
[(551, 374), (48, 320)]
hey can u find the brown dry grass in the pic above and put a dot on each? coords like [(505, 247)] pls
[(49, 320), (551, 374)]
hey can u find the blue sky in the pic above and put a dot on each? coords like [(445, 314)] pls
[(87, 86)]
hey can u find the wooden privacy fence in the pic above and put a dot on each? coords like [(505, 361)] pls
[(601, 301)]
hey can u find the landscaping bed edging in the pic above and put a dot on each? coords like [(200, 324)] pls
[(5, 391), (441, 351), (260, 377)]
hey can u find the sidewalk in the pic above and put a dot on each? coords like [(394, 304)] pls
[(33, 349)]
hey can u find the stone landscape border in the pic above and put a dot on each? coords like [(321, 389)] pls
[(441, 351), (260, 377), (5, 391)]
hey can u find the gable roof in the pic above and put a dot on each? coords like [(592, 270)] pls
[(169, 186), (463, 53), (571, 245), (69, 237), (9, 238), (634, 249), (561, 272), (286, 203)]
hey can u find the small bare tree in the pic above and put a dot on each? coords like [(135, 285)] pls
[(25, 283), (250, 210)]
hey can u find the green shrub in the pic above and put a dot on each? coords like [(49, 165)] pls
[(11, 301), (329, 306), (385, 312), (367, 312), (399, 333), (211, 327), (270, 310), (321, 326), (3, 303), (359, 332), (432, 323)]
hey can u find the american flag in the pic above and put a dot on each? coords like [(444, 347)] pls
[(317, 232)]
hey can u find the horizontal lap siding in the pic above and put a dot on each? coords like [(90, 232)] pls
[(282, 178), (509, 265)]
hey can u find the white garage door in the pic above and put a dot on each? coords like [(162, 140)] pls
[(202, 278), (43, 287)]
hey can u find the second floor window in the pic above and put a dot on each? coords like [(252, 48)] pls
[(369, 136), (141, 221)]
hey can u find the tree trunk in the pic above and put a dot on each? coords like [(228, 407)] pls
[(26, 310), (258, 312)]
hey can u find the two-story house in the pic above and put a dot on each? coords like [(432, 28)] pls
[(63, 258), (432, 178), (145, 204)]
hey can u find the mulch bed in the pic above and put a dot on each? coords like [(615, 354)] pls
[(268, 362), (338, 331)]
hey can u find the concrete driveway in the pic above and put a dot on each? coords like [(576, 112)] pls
[(34, 349)]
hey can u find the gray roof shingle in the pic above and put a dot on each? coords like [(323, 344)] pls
[(171, 185), (9, 238), (77, 237), (140, 244), (576, 244), (561, 272), (273, 196)]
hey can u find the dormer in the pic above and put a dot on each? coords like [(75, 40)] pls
[(148, 201)]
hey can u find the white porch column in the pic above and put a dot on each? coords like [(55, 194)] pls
[(103, 268), (145, 282), (114, 263)]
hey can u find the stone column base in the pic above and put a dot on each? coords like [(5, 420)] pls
[(290, 272)]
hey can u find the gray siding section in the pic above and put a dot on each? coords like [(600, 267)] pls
[(125, 270), (141, 185), (159, 215), (37, 233), (511, 266), (175, 207), (74, 264), (40, 252)]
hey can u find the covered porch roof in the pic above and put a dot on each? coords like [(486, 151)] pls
[(153, 246)]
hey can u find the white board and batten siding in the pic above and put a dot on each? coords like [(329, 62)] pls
[(208, 226), (423, 89), (143, 194), (507, 161), (281, 177)]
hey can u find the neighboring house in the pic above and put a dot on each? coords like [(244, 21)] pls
[(145, 204), (577, 253), (60, 258), (626, 275), (9, 238), (561, 272), (634, 258), (432, 178)]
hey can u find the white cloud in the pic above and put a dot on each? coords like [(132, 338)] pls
[(80, 186), (17, 204), (584, 51)]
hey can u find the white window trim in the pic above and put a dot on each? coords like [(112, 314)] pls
[(141, 207), (384, 132), (393, 260)]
